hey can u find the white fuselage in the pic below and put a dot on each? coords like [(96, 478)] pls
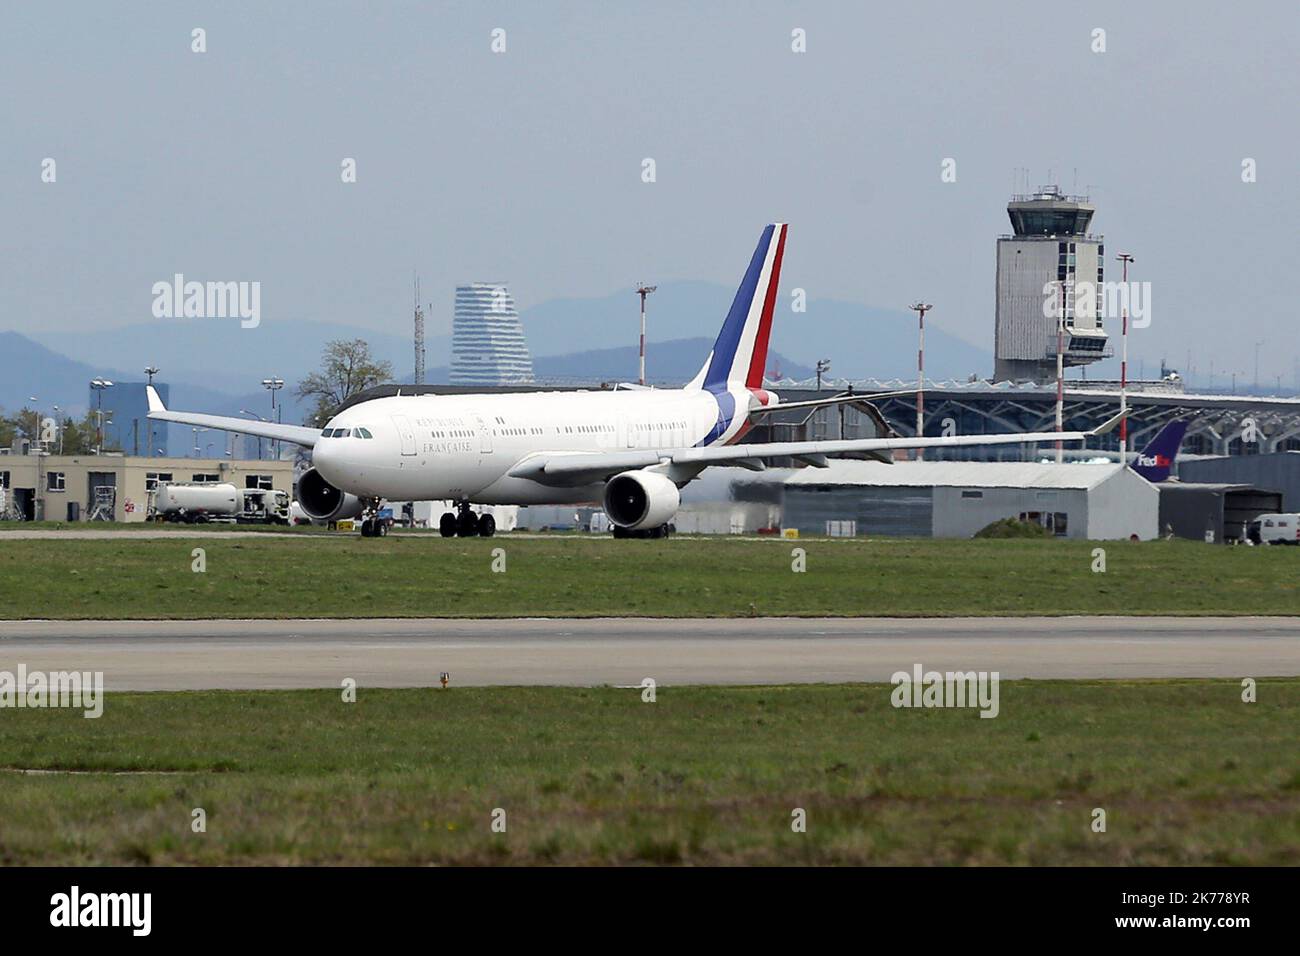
[(462, 447)]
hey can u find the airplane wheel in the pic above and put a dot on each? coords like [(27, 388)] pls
[(487, 526), (447, 525), (620, 532), (467, 526), (367, 528)]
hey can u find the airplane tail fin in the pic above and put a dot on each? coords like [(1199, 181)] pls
[(1155, 461), (740, 354)]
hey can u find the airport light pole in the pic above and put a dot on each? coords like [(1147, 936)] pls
[(35, 402), (272, 385), (920, 308), (150, 371), (34, 447), (99, 384), (643, 290), (1060, 378), (823, 365), (259, 438), (1125, 258)]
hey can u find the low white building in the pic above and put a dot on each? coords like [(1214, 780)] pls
[(955, 499)]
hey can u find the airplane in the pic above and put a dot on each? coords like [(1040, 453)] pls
[(1154, 462), (632, 447)]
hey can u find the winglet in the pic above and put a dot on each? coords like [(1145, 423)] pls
[(155, 403), (1109, 424)]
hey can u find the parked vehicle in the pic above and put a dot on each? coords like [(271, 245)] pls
[(1276, 529), (199, 503), (193, 503)]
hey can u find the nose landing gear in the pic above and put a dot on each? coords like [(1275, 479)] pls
[(372, 526)]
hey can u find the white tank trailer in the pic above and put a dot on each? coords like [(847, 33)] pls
[(199, 503)]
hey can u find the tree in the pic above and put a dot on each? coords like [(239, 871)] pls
[(28, 421), (78, 437), (8, 430), (346, 368)]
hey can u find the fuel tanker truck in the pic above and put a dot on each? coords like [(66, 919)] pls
[(198, 503)]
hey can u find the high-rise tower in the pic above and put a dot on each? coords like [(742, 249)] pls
[(1050, 245), (487, 341), (419, 336)]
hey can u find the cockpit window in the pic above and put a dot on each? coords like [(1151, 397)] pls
[(327, 433), (364, 433)]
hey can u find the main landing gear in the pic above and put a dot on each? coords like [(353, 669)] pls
[(466, 523), (660, 532)]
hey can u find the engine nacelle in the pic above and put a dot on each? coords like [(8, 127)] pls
[(321, 501), (641, 499)]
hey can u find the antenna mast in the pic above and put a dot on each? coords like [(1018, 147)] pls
[(419, 336)]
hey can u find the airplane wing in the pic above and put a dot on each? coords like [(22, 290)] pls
[(294, 434), (575, 468), (865, 397)]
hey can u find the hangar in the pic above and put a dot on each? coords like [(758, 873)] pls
[(1213, 512), (955, 499), (1280, 470)]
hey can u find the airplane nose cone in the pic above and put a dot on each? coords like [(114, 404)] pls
[(325, 458)]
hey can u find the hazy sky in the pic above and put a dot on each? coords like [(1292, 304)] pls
[(526, 165)]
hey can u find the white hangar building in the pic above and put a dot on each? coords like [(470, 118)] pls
[(955, 499)]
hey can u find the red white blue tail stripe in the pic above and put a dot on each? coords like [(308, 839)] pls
[(735, 366), (740, 353)]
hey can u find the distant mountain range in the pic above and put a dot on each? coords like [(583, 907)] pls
[(29, 370), (218, 354), (861, 341)]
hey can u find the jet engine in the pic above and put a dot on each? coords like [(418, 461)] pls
[(637, 500), (321, 501)]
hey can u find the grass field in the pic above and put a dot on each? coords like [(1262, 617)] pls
[(305, 576), (155, 527), (1186, 773)]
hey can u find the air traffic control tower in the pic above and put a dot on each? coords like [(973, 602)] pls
[(1050, 243)]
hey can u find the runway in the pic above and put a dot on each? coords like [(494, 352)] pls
[(185, 655)]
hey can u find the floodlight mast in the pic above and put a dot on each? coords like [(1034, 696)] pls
[(643, 290)]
